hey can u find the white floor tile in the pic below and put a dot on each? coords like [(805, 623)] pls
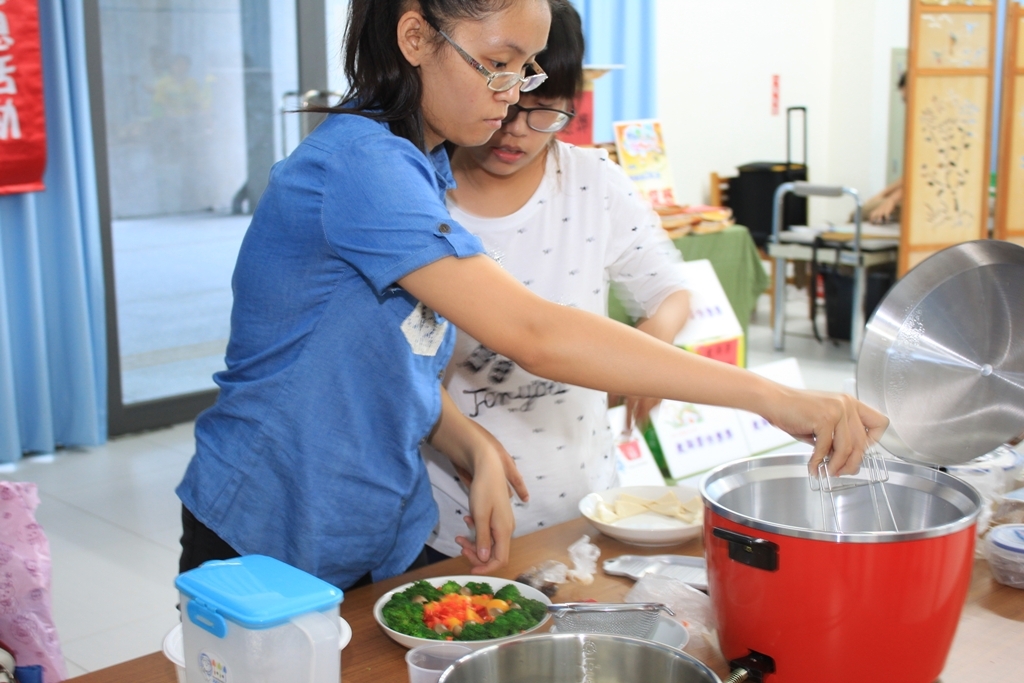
[(103, 575), (74, 669), (140, 502), (120, 643), (181, 438)]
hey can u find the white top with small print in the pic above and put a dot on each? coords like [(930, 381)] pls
[(584, 228)]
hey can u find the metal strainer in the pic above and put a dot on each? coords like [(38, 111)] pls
[(635, 619)]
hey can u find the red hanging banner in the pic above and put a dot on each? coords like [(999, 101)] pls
[(22, 125)]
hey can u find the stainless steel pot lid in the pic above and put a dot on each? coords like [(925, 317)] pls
[(943, 355)]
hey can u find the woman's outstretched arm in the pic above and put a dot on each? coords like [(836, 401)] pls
[(569, 345)]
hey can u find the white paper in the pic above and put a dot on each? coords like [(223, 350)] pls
[(711, 315), (761, 436), (696, 438)]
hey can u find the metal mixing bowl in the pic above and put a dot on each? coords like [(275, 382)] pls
[(576, 657)]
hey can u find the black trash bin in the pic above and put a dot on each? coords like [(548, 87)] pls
[(839, 295)]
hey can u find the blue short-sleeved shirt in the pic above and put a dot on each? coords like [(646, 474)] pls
[(310, 454)]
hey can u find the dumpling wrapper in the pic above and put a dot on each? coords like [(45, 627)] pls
[(627, 508), (668, 505), (604, 513), (694, 505), (667, 499), (685, 515), (644, 502)]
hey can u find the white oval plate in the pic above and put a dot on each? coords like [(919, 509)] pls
[(648, 529), (496, 583)]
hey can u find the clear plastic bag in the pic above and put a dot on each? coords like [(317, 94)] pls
[(692, 609), (584, 556), (26, 623)]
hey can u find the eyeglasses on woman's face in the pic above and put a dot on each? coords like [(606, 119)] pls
[(501, 81), (540, 119)]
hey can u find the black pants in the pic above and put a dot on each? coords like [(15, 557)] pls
[(200, 544)]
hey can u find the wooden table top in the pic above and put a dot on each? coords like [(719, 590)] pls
[(987, 647)]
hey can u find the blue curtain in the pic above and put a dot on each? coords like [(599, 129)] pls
[(621, 32), (52, 338)]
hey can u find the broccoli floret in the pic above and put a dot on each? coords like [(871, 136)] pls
[(472, 631), (499, 628), (476, 588), (406, 617), (421, 631), (450, 587), (423, 588), (510, 623), (509, 593), (518, 620), (534, 608)]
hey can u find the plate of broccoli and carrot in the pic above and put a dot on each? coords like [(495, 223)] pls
[(474, 611)]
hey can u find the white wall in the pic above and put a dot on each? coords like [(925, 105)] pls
[(715, 66)]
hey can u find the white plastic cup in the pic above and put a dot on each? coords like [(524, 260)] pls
[(427, 662)]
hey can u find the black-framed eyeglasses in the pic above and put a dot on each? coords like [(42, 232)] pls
[(501, 81), (540, 119)]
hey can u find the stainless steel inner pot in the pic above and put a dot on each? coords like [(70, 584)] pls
[(578, 658), (773, 494)]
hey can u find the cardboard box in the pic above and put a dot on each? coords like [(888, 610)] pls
[(695, 438), (634, 462), (713, 329)]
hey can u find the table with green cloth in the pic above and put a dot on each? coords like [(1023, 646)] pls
[(734, 256)]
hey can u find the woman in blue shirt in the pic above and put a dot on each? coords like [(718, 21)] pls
[(348, 286)]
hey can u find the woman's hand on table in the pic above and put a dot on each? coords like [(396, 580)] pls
[(490, 512), (491, 474)]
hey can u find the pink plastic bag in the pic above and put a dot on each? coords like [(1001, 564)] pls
[(26, 625)]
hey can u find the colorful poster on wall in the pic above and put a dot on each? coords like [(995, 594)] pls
[(580, 130), (22, 125), (642, 155)]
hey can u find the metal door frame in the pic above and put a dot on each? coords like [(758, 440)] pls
[(121, 418)]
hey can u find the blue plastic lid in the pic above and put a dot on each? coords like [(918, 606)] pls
[(1008, 537), (257, 591)]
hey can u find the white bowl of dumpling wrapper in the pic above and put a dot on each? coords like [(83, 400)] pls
[(652, 516)]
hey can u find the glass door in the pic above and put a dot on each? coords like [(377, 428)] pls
[(188, 103)]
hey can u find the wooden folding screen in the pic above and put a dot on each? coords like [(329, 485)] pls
[(949, 93), (1010, 184)]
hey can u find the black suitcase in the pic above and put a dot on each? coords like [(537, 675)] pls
[(752, 192)]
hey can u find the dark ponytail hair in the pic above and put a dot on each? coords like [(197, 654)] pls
[(562, 61), (384, 86)]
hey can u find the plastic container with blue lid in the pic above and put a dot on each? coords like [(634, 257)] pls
[(1004, 547), (255, 619)]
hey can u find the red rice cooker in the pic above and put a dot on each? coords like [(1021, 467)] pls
[(812, 586)]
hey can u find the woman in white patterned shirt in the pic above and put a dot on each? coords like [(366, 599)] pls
[(566, 222)]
